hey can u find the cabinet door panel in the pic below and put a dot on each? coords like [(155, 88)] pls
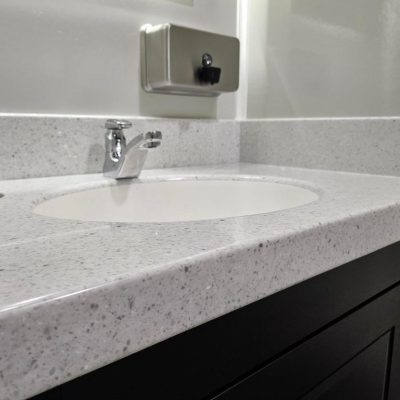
[(297, 372), (364, 377)]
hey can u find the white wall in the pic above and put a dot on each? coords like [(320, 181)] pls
[(318, 58), (82, 56), (305, 58)]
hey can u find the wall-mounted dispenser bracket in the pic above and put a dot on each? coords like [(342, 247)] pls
[(185, 61)]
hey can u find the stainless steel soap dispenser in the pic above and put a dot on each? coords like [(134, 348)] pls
[(186, 61)]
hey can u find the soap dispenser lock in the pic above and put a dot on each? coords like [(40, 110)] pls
[(207, 73)]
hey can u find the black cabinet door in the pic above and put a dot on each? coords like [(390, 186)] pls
[(351, 357), (364, 377)]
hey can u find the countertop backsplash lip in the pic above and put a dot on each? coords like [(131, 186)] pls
[(109, 116), (305, 119)]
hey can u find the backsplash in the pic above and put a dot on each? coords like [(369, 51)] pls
[(364, 145), (50, 146), (38, 146)]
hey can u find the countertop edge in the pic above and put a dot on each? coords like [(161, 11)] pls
[(107, 319)]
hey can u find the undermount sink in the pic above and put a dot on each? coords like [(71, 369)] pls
[(176, 201)]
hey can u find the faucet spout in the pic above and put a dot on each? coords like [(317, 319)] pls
[(124, 160), (147, 140)]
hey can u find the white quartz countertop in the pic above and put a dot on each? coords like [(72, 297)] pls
[(75, 296)]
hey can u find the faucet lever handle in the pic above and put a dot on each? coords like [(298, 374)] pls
[(153, 135), (118, 124)]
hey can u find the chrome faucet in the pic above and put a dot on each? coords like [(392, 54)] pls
[(126, 160)]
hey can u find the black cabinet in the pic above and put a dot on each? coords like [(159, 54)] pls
[(363, 377), (335, 336), (351, 356)]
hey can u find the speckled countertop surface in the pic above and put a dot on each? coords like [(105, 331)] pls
[(76, 296)]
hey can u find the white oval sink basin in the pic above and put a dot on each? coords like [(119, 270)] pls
[(176, 201)]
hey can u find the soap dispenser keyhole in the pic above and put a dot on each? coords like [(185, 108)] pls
[(207, 73)]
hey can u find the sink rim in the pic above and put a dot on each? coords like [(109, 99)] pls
[(80, 188)]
